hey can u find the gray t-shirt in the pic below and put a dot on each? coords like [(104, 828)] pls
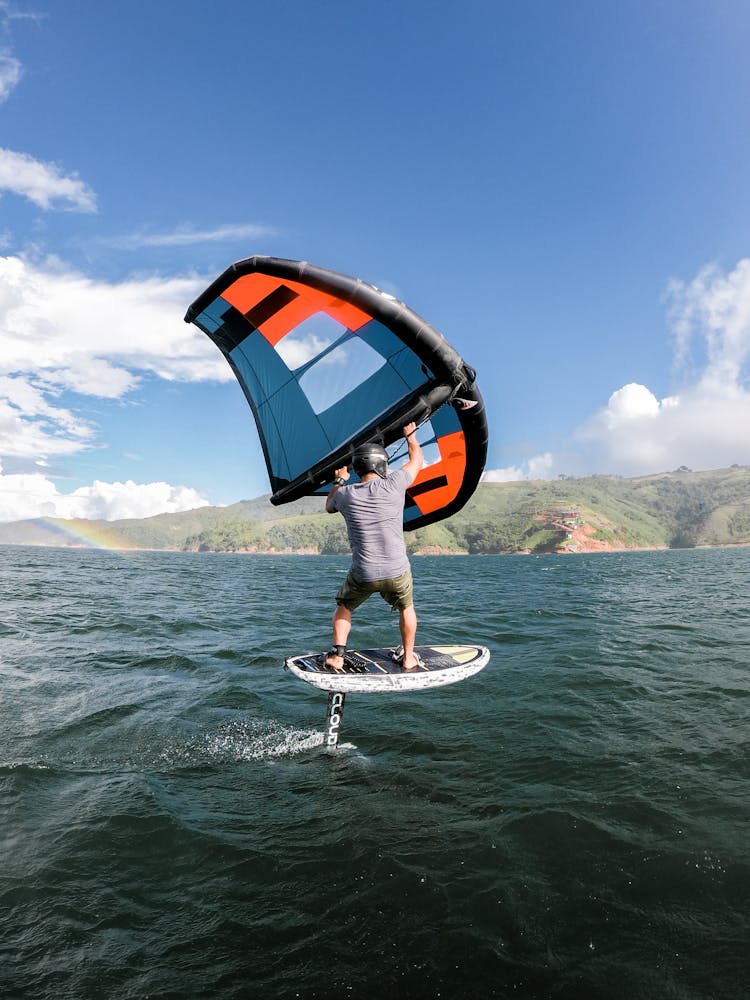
[(374, 515)]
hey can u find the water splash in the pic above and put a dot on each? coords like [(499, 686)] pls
[(243, 741)]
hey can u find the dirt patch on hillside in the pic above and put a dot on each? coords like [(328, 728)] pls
[(581, 539)]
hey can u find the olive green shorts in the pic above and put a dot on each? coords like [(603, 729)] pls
[(397, 591)]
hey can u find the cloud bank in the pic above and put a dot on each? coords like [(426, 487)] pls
[(63, 332), (34, 495), (73, 331), (703, 425)]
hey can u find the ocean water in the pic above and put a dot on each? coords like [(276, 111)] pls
[(571, 823)]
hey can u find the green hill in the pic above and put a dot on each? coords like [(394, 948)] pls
[(669, 510)]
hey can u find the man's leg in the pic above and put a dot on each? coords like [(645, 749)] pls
[(342, 623), (408, 626)]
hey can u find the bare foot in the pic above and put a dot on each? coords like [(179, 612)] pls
[(413, 662), (335, 663)]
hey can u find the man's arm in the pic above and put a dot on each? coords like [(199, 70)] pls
[(342, 473), (415, 462)]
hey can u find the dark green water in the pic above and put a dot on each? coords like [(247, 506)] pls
[(571, 823)]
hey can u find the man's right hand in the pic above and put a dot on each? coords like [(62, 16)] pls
[(415, 461)]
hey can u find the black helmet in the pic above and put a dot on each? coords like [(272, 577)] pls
[(370, 458)]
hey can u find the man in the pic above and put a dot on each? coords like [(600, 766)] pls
[(373, 510)]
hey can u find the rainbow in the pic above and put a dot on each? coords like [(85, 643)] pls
[(79, 533)]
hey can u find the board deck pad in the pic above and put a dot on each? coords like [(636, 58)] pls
[(375, 670)]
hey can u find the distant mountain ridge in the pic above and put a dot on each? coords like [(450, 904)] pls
[(668, 510)]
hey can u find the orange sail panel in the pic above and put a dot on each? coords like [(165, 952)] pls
[(276, 307), (437, 485)]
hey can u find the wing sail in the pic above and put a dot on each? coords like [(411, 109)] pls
[(328, 362)]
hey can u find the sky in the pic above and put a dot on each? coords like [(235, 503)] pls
[(560, 188)]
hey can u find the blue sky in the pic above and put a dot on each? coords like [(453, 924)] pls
[(561, 188)]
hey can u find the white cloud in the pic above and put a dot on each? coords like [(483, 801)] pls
[(34, 495), (10, 74), (56, 320), (714, 311), (630, 403), (188, 237), (60, 330), (90, 377), (43, 183), (114, 501), (508, 474), (537, 467), (31, 426), (704, 427)]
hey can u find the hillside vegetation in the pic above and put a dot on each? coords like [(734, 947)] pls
[(670, 510)]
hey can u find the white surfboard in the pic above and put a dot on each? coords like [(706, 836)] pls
[(375, 671)]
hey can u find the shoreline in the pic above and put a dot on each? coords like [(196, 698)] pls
[(601, 548)]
